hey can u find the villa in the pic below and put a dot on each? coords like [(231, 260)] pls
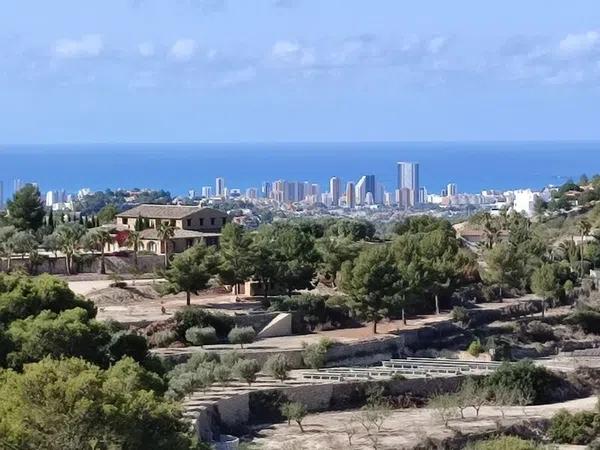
[(192, 224)]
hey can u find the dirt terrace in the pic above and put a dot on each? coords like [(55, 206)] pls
[(403, 429)]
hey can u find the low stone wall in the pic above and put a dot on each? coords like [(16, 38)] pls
[(90, 264), (232, 415)]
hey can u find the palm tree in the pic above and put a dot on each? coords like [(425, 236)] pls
[(68, 236), (584, 227), (134, 239), (100, 238), (166, 231)]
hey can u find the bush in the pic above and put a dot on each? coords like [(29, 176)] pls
[(577, 429), (534, 382), (460, 315), (222, 373), (539, 331), (230, 358), (587, 320), (278, 366), (201, 336), (125, 344), (315, 355), (295, 411), (242, 335), (475, 348), (247, 370), (196, 316), (162, 338)]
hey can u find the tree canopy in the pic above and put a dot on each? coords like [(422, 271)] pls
[(71, 404), (25, 209)]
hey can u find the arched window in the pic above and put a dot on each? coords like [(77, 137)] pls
[(152, 246)]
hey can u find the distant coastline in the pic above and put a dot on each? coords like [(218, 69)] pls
[(179, 167)]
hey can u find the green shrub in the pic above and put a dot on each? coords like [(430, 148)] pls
[(241, 335), (126, 344), (475, 348), (577, 429), (534, 382), (277, 366), (587, 320), (230, 358), (201, 336), (460, 314), (196, 316), (162, 338), (247, 370), (222, 373), (315, 355)]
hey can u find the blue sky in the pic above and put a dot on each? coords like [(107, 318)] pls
[(298, 70)]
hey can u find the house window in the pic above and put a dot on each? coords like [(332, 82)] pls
[(201, 222), (189, 243), (124, 219), (224, 220), (212, 220), (189, 222), (173, 222)]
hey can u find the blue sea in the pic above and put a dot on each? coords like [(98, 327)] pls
[(179, 167)]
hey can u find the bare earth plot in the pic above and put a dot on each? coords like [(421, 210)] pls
[(403, 429)]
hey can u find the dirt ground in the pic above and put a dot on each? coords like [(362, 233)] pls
[(403, 429), (139, 302)]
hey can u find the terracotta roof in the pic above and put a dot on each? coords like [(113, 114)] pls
[(163, 211), (152, 233)]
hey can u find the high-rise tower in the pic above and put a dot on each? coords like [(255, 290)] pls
[(408, 178)]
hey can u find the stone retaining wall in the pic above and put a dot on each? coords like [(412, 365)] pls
[(234, 414), (118, 264)]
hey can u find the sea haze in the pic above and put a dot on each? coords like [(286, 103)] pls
[(180, 167)]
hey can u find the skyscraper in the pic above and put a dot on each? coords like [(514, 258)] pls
[(206, 191), (220, 187), (422, 195), (370, 185), (408, 178), (334, 190), (51, 198), (350, 195), (360, 190), (251, 193), (266, 189), (451, 189)]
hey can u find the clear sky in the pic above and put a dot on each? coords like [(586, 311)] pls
[(298, 70)]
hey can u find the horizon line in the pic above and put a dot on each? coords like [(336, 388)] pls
[(308, 142)]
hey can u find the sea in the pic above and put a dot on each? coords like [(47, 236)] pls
[(178, 168)]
